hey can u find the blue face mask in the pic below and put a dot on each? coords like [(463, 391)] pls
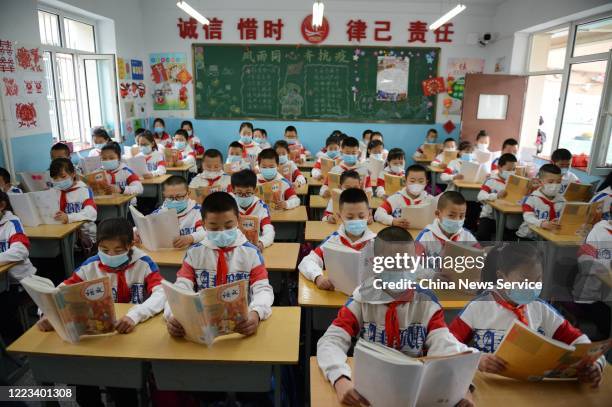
[(180, 206), (63, 184), (269, 173), (355, 227), (223, 238), (377, 156), (332, 154), (283, 159), (451, 226), (350, 159), (180, 145), (159, 130), (110, 165), (564, 171), (234, 158), (113, 261), (246, 139), (523, 296), (244, 201), (258, 140), (145, 149), (467, 157), (506, 174), (99, 146), (291, 141)]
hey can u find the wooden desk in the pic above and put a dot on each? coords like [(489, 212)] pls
[(422, 161), (501, 209), (289, 224), (152, 187), (295, 215), (494, 391), (317, 231), (314, 182), (557, 239), (434, 173), (115, 206), (63, 237), (306, 165), (181, 170), (5, 280), (468, 189)]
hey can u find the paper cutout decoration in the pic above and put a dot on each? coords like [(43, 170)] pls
[(29, 59), (25, 114), (433, 86), (158, 73), (183, 76), (449, 126)]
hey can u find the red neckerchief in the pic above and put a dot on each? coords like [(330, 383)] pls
[(64, 199), (518, 310), (392, 331), (408, 200), (503, 181), (112, 174), (250, 209), (211, 181), (355, 246), (222, 268), (123, 291), (552, 215)]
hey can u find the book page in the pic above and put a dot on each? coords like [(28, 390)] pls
[(150, 225), (393, 183), (138, 164), (343, 267), (47, 205), (171, 157), (91, 164), (584, 355), (188, 309), (470, 171), (224, 307), (419, 216), (97, 182), (270, 191), (25, 209), (516, 189), (576, 192), (375, 167), (483, 157), (43, 295), (454, 272), (36, 181), (333, 180), (326, 165)]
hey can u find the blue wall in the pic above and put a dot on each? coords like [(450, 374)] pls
[(31, 153)]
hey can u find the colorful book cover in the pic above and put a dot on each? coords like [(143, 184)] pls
[(97, 182), (270, 192), (249, 225)]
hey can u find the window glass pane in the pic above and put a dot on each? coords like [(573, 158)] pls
[(100, 97), (541, 101), (593, 38), (51, 95), (67, 98), (79, 35), (48, 26), (607, 133), (548, 50), (492, 107), (586, 83)]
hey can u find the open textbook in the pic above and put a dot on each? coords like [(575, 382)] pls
[(333, 180), (91, 164), (346, 267), (270, 191), (98, 183), (516, 189), (467, 262), (138, 164), (171, 156), (326, 165), (388, 378), (430, 150), (374, 168), (157, 230), (36, 208), (473, 172), (420, 215), (210, 312), (198, 194), (249, 225), (484, 157), (75, 310), (448, 156), (576, 192), (36, 181), (532, 356), (577, 218), (393, 183)]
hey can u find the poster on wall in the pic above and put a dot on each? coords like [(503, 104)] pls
[(457, 69), (500, 65), (22, 87), (133, 96), (392, 78), (170, 77), (137, 69)]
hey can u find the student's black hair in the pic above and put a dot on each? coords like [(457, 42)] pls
[(481, 134), (350, 142), (5, 175), (281, 144), (448, 140), (159, 120), (115, 229), (213, 153), (336, 133), (507, 256), (376, 133), (342, 137), (509, 142), (388, 235), (174, 180), (181, 132), (415, 168), (374, 144), (396, 153), (61, 147), (549, 169), (148, 135), (464, 145), (244, 178), (349, 174), (235, 144), (187, 123), (450, 197), (561, 154), (365, 133), (219, 202), (353, 195), (506, 158), (112, 146), (61, 164), (247, 125), (100, 132), (262, 131), (332, 140), (138, 132), (291, 128), (7, 203), (267, 153), (432, 130)]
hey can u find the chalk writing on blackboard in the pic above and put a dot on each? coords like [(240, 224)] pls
[(259, 89), (328, 88)]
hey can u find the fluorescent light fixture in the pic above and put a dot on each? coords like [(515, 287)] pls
[(446, 17), (317, 14), (192, 12)]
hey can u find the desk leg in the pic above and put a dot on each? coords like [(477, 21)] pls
[(123, 210), (278, 386), (67, 249), (160, 198), (500, 225), (307, 344), (433, 182)]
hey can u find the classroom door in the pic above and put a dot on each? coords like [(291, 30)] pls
[(493, 103)]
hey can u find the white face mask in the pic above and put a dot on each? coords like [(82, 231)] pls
[(482, 147), (398, 169), (211, 174), (551, 189), (415, 189)]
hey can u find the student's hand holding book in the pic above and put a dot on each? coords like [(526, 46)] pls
[(249, 325), (61, 216), (181, 242), (148, 175), (333, 219), (326, 194), (44, 325), (458, 177), (324, 283), (175, 328), (402, 223), (550, 225), (280, 204), (491, 364), (502, 194), (125, 325), (346, 393), (467, 401), (590, 374)]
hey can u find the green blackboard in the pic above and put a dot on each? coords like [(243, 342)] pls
[(278, 82)]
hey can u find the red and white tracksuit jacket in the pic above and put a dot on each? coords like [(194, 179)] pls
[(437, 162), (78, 203), (594, 257), (262, 211), (361, 169), (316, 168), (14, 190), (155, 163), (492, 186), (604, 195), (250, 151), (190, 221), (188, 157), (221, 181), (566, 179), (312, 265), (15, 247), (432, 238), (204, 268), (392, 206), (302, 149), (537, 209), (321, 153), (125, 178), (287, 192), (166, 140), (453, 168), (139, 282), (415, 326), (484, 321), (294, 174), (380, 182)]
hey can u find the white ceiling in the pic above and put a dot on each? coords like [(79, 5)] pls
[(445, 3)]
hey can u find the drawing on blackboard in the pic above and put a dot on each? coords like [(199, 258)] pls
[(392, 78), (291, 100)]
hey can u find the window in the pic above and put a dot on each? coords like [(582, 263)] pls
[(81, 84), (566, 99), (492, 107)]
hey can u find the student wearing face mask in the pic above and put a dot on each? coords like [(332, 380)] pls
[(562, 158), (494, 188), (100, 138), (192, 139), (348, 179), (260, 137), (482, 141), (286, 166), (162, 138), (250, 149), (430, 138), (331, 151), (14, 244), (449, 145), (349, 160), (510, 146), (485, 321), (543, 207), (451, 173), (353, 233), (236, 159), (212, 175), (268, 171), (147, 147), (297, 149), (186, 154), (120, 179), (395, 164)]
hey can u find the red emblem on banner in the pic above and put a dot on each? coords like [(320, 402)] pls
[(312, 35)]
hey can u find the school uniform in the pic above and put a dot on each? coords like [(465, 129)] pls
[(438, 161), (537, 209), (414, 325), (362, 170), (312, 265), (190, 221), (196, 144), (294, 174), (138, 282), (262, 211), (156, 164), (489, 191), (316, 168), (188, 157), (94, 152), (250, 152), (206, 265), (321, 153), (329, 211), (165, 140), (484, 321), (604, 195), (594, 257), (287, 192), (391, 207), (125, 179), (221, 180), (432, 238), (566, 179), (380, 182), (453, 168), (15, 247), (78, 203), (14, 190)]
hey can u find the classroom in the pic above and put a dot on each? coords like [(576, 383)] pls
[(306, 203)]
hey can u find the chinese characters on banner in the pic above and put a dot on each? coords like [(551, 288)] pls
[(170, 76), (22, 87), (457, 69), (133, 97)]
